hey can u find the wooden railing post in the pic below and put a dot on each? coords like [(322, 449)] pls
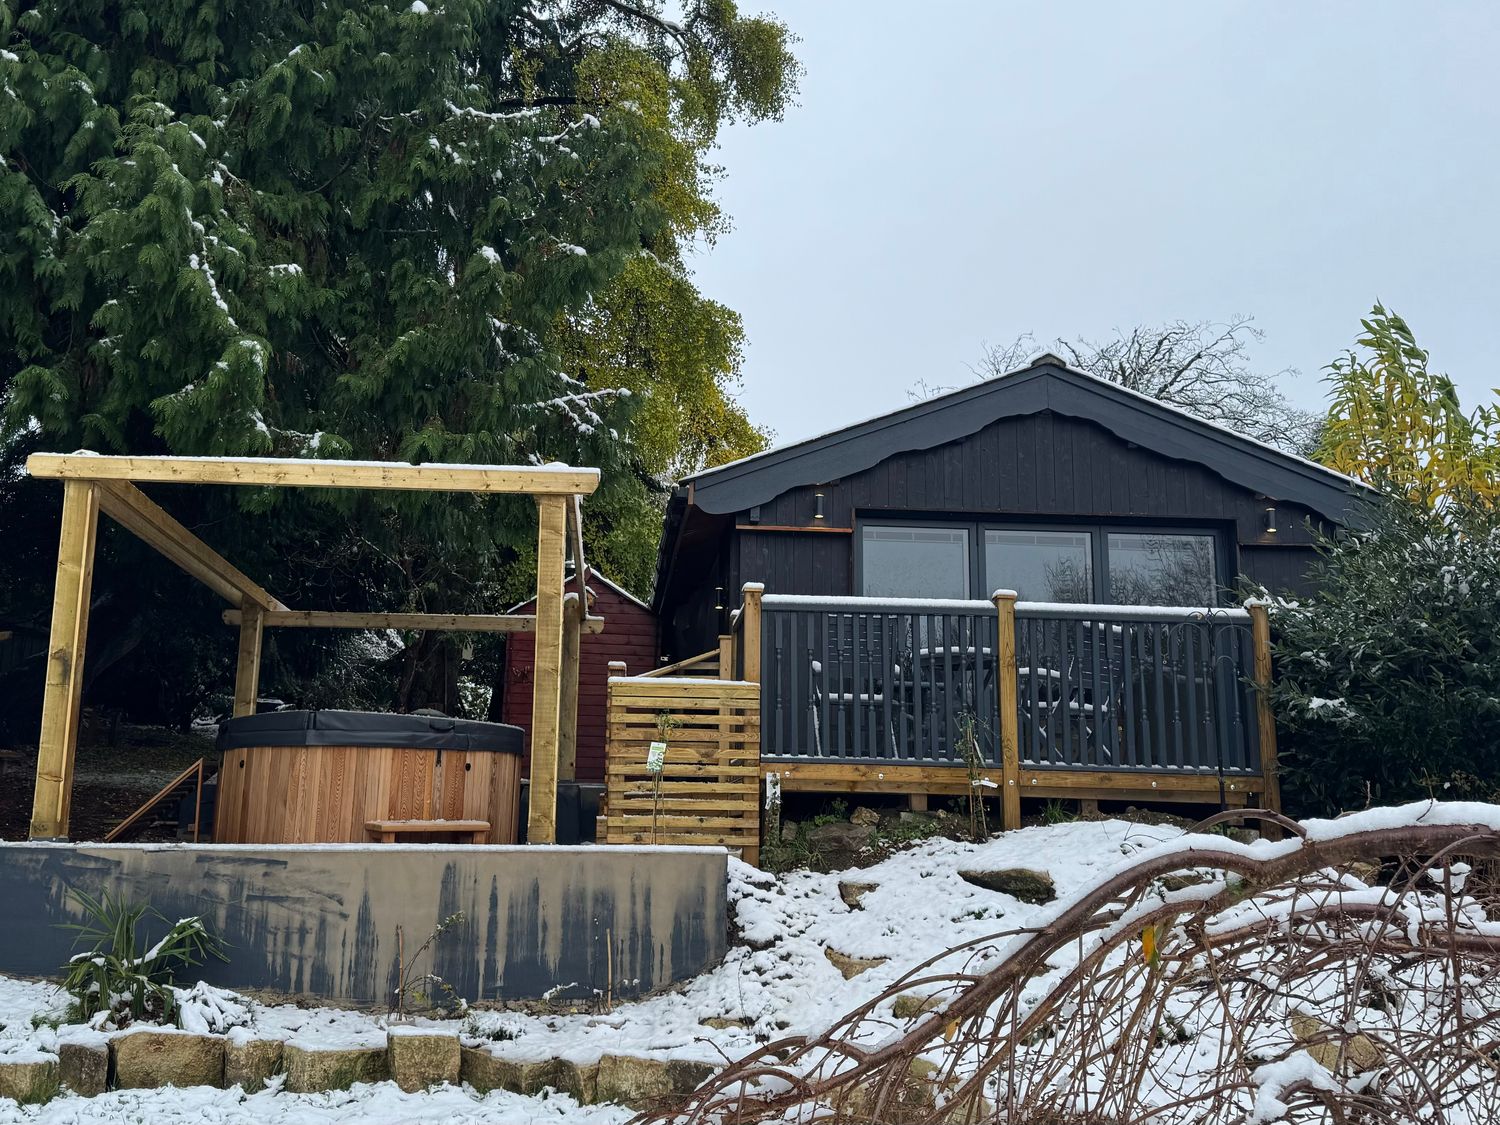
[(63, 695), (546, 699), (247, 666), (750, 629), (726, 656), (1265, 715), (1006, 678), (567, 731)]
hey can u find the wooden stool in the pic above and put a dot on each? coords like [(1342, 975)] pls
[(462, 831)]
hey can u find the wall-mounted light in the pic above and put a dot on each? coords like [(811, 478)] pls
[(719, 598), (755, 514), (1270, 521), (818, 506)]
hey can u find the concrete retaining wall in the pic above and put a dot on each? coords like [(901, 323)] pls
[(320, 921)]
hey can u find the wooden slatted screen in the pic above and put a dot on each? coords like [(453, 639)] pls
[(709, 791)]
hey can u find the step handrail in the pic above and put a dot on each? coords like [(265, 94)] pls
[(161, 796)]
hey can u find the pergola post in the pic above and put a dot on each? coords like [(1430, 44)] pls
[(546, 699), (567, 735), (247, 666), (63, 696)]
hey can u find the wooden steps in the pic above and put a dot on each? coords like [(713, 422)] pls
[(189, 783)]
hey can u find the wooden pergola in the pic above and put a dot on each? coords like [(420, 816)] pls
[(94, 484)]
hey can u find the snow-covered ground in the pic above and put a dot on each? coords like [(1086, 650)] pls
[(778, 980)]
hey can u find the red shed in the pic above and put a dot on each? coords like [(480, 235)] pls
[(629, 635)]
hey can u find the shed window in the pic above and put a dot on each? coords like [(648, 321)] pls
[(1156, 568), (915, 562), (1041, 566)]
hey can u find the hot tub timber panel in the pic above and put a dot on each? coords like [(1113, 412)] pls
[(324, 794)]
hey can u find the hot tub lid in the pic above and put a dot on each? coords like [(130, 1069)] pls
[(367, 728)]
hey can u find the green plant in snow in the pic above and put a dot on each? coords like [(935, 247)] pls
[(1055, 812), (1387, 683), (118, 979)]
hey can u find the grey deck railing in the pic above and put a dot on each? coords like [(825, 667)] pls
[(1099, 687)]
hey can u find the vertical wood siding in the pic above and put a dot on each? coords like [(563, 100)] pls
[(1037, 466)]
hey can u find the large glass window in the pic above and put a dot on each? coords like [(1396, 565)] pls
[(915, 562), (1161, 568), (1041, 566)]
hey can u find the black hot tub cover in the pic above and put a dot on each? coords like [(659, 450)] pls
[(367, 728)]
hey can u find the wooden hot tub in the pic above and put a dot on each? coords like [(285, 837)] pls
[(303, 777)]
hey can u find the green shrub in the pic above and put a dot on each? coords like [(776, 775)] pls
[(115, 976), (1387, 680)]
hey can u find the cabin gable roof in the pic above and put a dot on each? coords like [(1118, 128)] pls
[(1045, 385)]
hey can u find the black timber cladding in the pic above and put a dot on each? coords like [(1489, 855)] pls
[(1042, 387), (1045, 443)]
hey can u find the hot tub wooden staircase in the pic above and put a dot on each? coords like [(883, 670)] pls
[(187, 784)]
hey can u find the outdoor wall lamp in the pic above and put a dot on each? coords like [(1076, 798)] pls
[(818, 508), (719, 598), (1270, 521)]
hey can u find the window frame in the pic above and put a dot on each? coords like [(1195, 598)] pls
[(934, 524), (1098, 530)]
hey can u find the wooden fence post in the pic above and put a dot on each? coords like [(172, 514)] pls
[(750, 631), (62, 699), (1260, 636), (546, 699), (247, 667), (567, 735), (726, 656), (1006, 678)]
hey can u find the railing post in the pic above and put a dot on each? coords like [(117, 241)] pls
[(726, 656), (1260, 637), (750, 631), (1006, 687)]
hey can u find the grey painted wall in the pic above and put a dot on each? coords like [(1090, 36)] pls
[(321, 921)]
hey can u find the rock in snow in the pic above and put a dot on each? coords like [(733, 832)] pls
[(1035, 887)]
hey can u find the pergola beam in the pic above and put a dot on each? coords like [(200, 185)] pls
[(541, 480), (128, 506), (429, 622)]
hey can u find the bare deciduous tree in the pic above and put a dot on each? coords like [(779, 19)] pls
[(1200, 366)]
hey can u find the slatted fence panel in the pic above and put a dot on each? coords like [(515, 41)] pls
[(709, 789)]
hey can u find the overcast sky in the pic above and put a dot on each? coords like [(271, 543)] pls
[(961, 171)]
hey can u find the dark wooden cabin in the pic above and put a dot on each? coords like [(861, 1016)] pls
[(1043, 467), (629, 635), (1044, 560)]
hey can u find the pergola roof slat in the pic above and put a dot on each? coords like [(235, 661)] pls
[(538, 480)]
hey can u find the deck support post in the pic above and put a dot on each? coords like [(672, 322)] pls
[(1006, 689), (63, 695), (750, 629), (247, 666), (567, 732), (1260, 637), (546, 699)]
